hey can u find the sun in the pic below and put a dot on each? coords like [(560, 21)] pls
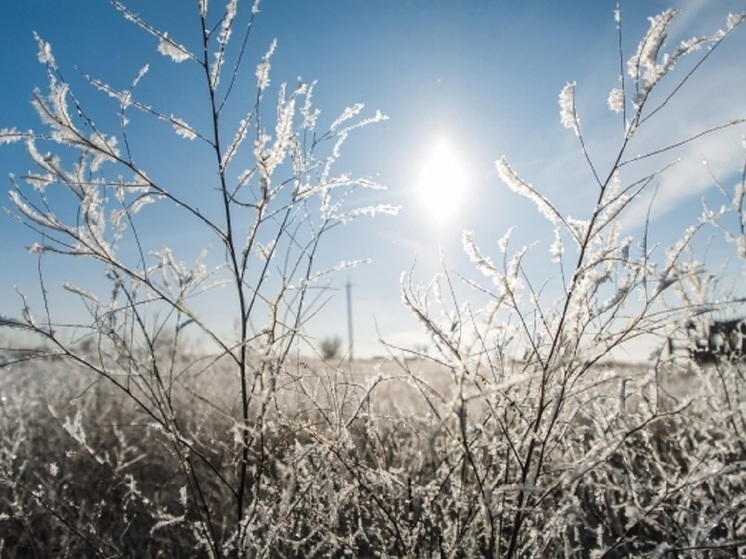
[(441, 183)]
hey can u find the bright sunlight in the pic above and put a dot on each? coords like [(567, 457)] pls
[(441, 183)]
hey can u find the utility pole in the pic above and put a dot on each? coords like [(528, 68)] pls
[(350, 342)]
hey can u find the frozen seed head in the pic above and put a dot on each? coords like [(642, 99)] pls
[(568, 115), (176, 52), (616, 100)]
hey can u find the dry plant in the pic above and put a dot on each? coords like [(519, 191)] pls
[(270, 199), (546, 450)]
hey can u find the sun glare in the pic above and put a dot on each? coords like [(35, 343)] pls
[(441, 183)]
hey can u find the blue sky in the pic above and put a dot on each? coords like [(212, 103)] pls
[(481, 77)]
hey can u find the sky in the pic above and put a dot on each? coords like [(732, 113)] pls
[(462, 84)]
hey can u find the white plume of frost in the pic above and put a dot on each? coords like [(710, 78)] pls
[(734, 20), (347, 114), (368, 211), (646, 57), (647, 66), (308, 111), (616, 100), (169, 48), (10, 135), (227, 25), (262, 69), (166, 46), (568, 114), (519, 186), (226, 30), (557, 249), (484, 263), (504, 241), (741, 246), (166, 520), (183, 129), (45, 55)]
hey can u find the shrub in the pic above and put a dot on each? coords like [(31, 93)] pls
[(548, 447), (330, 348), (277, 196)]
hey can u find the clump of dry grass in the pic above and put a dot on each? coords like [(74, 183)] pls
[(351, 464)]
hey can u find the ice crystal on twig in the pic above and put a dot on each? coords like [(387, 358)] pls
[(176, 52), (262, 69), (616, 100), (182, 128), (568, 114), (517, 185)]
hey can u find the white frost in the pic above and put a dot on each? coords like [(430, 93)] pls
[(44, 55), (568, 115), (616, 100), (10, 135), (519, 186), (734, 20), (262, 69), (169, 48), (183, 129), (556, 250)]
